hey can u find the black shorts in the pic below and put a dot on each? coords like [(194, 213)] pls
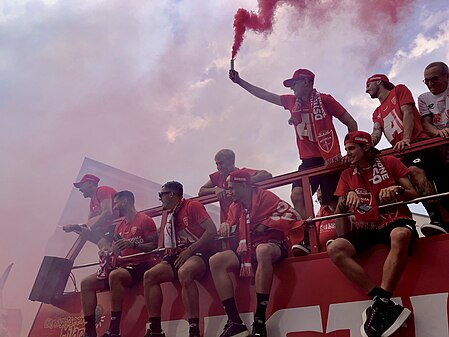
[(136, 271), (327, 182), (363, 239), (204, 255), (427, 160)]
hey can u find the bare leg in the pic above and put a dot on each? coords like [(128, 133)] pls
[(193, 269), (297, 197), (89, 287), (118, 280), (220, 265), (160, 273), (341, 251), (266, 254), (397, 258)]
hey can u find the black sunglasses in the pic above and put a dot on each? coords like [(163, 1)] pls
[(162, 193)]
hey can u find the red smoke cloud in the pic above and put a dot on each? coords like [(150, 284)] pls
[(372, 15)]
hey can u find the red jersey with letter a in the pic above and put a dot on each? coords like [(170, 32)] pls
[(390, 117), (305, 129)]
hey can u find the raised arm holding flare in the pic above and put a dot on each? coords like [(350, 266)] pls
[(311, 115)]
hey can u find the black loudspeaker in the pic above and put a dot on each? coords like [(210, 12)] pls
[(51, 279)]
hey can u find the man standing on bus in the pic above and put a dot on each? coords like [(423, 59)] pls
[(311, 114), (370, 182)]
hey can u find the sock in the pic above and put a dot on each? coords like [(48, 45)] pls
[(261, 308), (155, 324), (89, 325), (380, 294), (231, 310), (114, 327), (194, 326)]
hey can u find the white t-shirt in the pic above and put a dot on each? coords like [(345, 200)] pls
[(436, 106)]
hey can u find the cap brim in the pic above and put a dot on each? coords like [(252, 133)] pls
[(290, 82), (78, 185)]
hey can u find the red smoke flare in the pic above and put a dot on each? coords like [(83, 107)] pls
[(262, 22), (374, 16)]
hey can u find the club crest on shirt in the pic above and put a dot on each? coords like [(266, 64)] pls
[(393, 100), (185, 220), (133, 230), (365, 197), (326, 140)]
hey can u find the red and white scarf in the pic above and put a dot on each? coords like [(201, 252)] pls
[(326, 136)]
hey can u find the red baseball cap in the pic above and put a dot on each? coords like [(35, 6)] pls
[(362, 138), (87, 177), (383, 78), (300, 73), (240, 176)]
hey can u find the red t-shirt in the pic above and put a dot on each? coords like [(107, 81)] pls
[(395, 170), (190, 216), (139, 230), (390, 117), (102, 193), (305, 130), (219, 180)]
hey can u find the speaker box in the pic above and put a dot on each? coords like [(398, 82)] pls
[(51, 279)]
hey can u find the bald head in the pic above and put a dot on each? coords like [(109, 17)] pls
[(225, 161), (436, 77)]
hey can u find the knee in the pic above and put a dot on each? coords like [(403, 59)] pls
[(264, 254), (217, 262), (338, 250), (115, 278), (400, 238), (150, 278), (186, 275), (87, 285)]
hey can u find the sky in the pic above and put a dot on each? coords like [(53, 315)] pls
[(142, 86)]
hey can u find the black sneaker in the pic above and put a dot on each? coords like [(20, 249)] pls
[(110, 334), (300, 250), (259, 329), (433, 228), (384, 320), (232, 329), (154, 334)]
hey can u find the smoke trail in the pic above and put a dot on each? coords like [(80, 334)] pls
[(373, 16)]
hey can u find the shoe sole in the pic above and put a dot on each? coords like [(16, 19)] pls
[(300, 251), (432, 230), (398, 323)]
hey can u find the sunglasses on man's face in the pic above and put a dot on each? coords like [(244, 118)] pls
[(162, 193)]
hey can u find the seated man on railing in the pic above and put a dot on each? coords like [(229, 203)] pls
[(217, 183), (434, 110), (398, 118), (372, 181), (259, 219), (187, 237), (136, 233), (101, 214)]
